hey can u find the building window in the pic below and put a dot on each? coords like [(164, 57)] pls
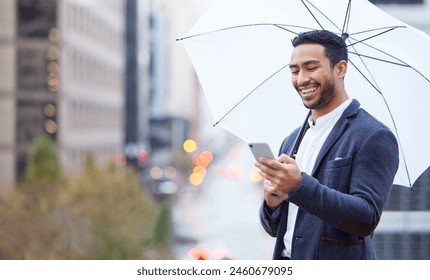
[(36, 17)]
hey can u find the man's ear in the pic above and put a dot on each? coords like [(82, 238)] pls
[(341, 68)]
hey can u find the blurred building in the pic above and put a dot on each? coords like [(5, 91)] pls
[(61, 74), (404, 231), (174, 107), (164, 132), (413, 12), (185, 100), (138, 82), (7, 94)]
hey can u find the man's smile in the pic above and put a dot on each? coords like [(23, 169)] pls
[(308, 90)]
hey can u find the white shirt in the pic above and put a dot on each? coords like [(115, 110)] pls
[(309, 149)]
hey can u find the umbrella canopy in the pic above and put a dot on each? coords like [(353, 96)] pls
[(241, 49)]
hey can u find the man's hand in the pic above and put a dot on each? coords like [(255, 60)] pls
[(272, 196), (283, 174)]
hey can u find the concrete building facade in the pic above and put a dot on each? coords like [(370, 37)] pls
[(7, 95), (91, 98), (61, 75)]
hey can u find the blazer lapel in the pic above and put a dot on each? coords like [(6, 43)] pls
[(336, 133)]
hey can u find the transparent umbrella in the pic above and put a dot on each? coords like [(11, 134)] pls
[(240, 50)]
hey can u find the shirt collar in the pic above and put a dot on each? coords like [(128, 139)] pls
[(335, 114)]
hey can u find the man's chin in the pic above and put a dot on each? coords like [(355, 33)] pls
[(309, 104)]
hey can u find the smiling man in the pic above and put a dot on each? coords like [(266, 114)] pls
[(327, 201)]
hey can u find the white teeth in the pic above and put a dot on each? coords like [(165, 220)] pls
[(307, 90)]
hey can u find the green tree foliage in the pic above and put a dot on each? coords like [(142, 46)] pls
[(162, 232), (101, 213), (43, 164)]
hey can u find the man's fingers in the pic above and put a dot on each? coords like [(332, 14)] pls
[(285, 159), (269, 187), (264, 163)]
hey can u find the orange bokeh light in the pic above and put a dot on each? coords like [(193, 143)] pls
[(199, 253), (200, 169), (203, 159), (255, 176), (196, 179)]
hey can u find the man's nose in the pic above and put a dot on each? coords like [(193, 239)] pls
[(302, 78)]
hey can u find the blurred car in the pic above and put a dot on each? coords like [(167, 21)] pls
[(163, 188)]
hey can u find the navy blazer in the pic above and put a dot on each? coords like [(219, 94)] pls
[(341, 202)]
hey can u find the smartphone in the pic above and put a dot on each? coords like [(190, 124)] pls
[(261, 150)]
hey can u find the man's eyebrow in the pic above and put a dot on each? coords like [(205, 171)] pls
[(313, 61)]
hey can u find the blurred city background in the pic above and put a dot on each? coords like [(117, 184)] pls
[(107, 149)]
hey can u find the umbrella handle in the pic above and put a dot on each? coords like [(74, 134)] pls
[(299, 138)]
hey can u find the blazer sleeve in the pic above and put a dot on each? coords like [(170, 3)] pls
[(355, 204), (270, 221)]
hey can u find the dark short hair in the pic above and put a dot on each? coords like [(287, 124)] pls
[(334, 45)]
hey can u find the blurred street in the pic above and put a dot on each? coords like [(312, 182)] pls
[(220, 217), (99, 100)]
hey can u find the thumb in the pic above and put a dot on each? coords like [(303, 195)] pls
[(286, 159)]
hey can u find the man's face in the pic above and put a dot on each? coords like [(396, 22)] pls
[(312, 75)]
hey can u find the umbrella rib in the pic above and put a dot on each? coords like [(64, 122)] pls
[(375, 86), (380, 91), (399, 63), (243, 26), (310, 12), (382, 95), (380, 59), (391, 117), (282, 26), (398, 139), (388, 29), (347, 18), (222, 29), (251, 92), (379, 28)]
